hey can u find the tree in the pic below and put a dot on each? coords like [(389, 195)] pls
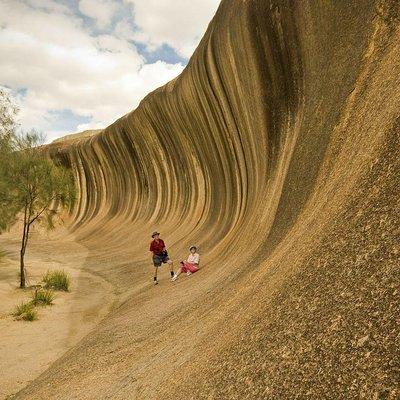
[(42, 188), (8, 112), (32, 186)]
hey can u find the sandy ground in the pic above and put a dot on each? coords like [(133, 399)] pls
[(28, 348)]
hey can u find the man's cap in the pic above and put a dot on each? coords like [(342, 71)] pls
[(155, 233)]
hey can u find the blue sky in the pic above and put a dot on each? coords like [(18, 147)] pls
[(73, 65)]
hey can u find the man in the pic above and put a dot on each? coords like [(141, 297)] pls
[(160, 255)]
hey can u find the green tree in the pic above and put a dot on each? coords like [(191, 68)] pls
[(8, 112), (32, 186), (42, 188)]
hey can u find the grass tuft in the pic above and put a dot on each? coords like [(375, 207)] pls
[(30, 315), (22, 309), (42, 297), (25, 311), (57, 280)]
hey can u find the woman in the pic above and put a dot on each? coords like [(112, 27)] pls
[(191, 265)]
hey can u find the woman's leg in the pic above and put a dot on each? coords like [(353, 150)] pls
[(192, 268), (175, 277), (171, 267), (180, 270)]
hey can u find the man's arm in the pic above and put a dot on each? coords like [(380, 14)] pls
[(151, 252)]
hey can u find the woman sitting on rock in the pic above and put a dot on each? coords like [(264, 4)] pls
[(191, 265)]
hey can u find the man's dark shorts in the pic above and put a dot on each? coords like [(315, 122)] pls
[(159, 259)]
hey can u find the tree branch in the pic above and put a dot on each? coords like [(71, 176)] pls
[(41, 211)]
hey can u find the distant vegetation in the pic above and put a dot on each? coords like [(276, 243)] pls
[(57, 280)]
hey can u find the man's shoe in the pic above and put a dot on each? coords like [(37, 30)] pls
[(188, 273), (174, 278), (155, 281)]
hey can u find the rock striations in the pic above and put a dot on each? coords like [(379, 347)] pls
[(277, 152)]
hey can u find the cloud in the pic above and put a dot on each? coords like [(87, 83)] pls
[(48, 5), (177, 23), (101, 11), (82, 64), (59, 70)]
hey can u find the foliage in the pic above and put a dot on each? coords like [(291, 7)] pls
[(30, 315), (8, 112), (39, 184), (57, 280), (22, 309), (42, 297)]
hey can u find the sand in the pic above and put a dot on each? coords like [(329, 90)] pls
[(29, 348)]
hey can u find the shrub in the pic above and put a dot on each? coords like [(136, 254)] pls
[(25, 311), (30, 315), (21, 309), (57, 280), (42, 297)]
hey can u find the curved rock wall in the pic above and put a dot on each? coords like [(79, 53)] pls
[(274, 151)]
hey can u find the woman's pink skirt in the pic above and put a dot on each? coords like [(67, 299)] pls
[(188, 267)]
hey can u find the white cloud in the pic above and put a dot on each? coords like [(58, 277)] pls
[(90, 126), (101, 11), (49, 5), (178, 23), (123, 29), (49, 52)]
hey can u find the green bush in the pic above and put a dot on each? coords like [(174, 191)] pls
[(30, 315), (25, 311), (42, 297), (22, 308), (57, 280)]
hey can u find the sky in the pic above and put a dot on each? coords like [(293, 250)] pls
[(72, 65)]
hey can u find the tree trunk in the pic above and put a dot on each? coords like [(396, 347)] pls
[(22, 268), (22, 251)]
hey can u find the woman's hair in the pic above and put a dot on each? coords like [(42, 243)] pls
[(192, 247)]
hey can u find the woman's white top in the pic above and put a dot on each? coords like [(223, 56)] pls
[(193, 258)]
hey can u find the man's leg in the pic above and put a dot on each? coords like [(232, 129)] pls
[(155, 275)]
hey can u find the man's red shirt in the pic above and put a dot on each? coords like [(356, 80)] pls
[(157, 246)]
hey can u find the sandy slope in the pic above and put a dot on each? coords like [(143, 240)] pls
[(28, 348)]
